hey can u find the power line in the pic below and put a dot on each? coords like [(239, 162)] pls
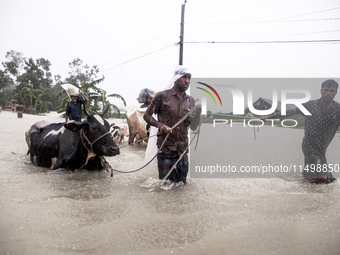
[(276, 20), (264, 21), (264, 42), (241, 42), (298, 34), (232, 11), (249, 23), (223, 42), (332, 9), (147, 54), (126, 53)]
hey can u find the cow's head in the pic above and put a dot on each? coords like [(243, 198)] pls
[(115, 133), (95, 133)]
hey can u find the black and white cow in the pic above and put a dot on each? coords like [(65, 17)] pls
[(72, 145)]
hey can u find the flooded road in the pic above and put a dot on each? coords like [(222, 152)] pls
[(61, 212)]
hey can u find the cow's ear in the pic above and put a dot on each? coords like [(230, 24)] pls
[(75, 125)]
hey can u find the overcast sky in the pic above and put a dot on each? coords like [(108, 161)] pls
[(134, 42)]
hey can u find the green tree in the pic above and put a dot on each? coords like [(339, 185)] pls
[(14, 64), (29, 94), (96, 96), (5, 83), (5, 80), (40, 105), (30, 81), (85, 78), (81, 73), (35, 79), (36, 73), (11, 69)]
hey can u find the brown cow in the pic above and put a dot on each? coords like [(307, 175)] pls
[(137, 125)]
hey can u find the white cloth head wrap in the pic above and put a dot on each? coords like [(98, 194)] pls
[(179, 72)]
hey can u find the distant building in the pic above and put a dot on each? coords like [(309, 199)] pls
[(265, 104)]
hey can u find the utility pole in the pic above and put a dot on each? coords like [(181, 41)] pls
[(181, 37)]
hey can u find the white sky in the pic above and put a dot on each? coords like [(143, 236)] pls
[(110, 33)]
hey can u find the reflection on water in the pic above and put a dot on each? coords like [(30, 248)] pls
[(63, 212)]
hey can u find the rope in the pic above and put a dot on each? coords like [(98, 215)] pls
[(159, 149), (173, 167), (138, 141), (132, 171), (179, 122), (82, 134)]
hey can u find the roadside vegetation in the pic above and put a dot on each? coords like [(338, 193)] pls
[(30, 82)]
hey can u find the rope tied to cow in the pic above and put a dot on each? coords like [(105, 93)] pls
[(146, 138), (82, 135), (91, 153), (179, 159), (160, 148)]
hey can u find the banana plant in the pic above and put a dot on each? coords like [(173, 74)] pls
[(97, 97)]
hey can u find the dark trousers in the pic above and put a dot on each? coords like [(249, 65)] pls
[(316, 167), (165, 163)]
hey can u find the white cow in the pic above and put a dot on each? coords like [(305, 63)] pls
[(120, 133)]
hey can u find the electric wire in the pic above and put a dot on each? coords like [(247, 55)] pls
[(264, 42), (150, 40), (139, 57), (250, 23), (265, 21), (232, 11), (298, 34), (243, 42), (310, 13)]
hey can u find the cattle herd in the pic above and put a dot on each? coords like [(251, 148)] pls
[(81, 145)]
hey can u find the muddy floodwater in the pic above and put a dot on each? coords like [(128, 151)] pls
[(62, 212)]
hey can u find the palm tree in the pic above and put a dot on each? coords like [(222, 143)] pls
[(119, 97)]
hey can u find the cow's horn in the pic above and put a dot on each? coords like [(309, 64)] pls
[(87, 114), (105, 110)]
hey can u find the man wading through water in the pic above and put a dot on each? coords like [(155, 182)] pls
[(171, 106), (320, 128), (73, 108)]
